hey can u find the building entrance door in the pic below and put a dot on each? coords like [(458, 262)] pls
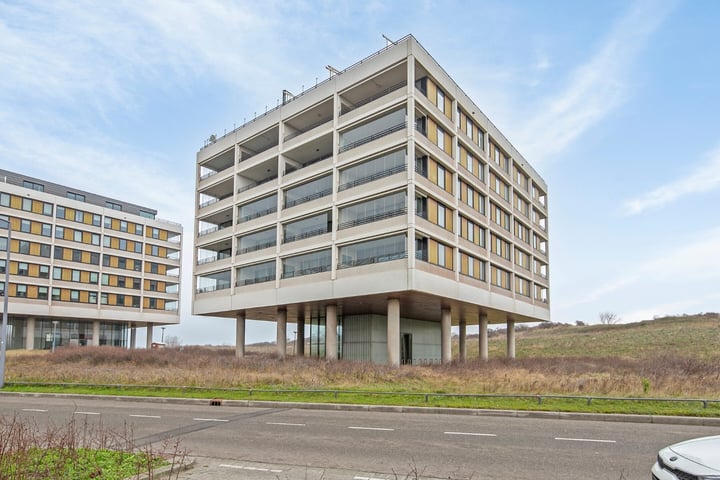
[(406, 349)]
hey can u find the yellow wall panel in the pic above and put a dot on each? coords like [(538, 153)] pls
[(431, 90), (432, 251), (15, 202)]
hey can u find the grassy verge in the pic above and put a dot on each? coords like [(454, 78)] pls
[(590, 404), (78, 451)]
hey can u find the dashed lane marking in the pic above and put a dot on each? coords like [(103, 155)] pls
[(471, 434), (563, 439), (254, 469), (286, 424), (33, 410), (86, 413), (145, 416), (373, 428), (210, 420)]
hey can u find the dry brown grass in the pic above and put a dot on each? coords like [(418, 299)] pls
[(690, 370)]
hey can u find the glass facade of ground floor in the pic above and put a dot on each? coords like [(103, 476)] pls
[(68, 332)]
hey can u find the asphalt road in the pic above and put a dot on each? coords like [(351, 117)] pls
[(268, 443)]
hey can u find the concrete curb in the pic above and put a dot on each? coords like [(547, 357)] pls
[(597, 417)]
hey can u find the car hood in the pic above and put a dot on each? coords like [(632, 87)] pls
[(704, 451)]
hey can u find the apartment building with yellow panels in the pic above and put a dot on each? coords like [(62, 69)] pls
[(84, 269), (375, 211)]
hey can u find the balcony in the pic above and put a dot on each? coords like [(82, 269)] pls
[(374, 136), (372, 218)]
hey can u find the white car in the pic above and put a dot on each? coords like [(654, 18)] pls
[(697, 459)]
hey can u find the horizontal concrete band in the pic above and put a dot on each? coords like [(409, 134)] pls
[(597, 417)]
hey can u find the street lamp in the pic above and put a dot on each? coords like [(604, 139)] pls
[(54, 322), (162, 335), (6, 293)]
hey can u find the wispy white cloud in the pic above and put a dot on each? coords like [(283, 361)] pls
[(705, 178), (596, 88), (695, 262)]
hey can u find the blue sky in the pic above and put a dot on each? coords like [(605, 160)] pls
[(615, 103)]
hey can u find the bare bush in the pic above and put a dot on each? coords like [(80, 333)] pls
[(608, 318)]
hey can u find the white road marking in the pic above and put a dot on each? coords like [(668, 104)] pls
[(33, 410), (210, 420), (584, 440), (367, 478), (373, 428), (471, 434), (286, 424), (255, 469), (145, 416), (86, 413)]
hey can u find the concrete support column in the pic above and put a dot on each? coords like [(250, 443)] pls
[(510, 338), (445, 343), (300, 339), (483, 337), (240, 335), (331, 346), (393, 332), (149, 338), (461, 342), (96, 333), (133, 337), (30, 334), (282, 333)]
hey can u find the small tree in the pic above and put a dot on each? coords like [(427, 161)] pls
[(173, 341), (608, 318)]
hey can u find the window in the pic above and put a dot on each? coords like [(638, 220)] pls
[(103, 299), (372, 170), (4, 200), (93, 277), (318, 188), (441, 212), (92, 298), (136, 283), (373, 251), (307, 264), (155, 233), (152, 286), (94, 258), (373, 210), (113, 205), (154, 250), (76, 255), (79, 216), (35, 186), (56, 294), (25, 226), (60, 212), (75, 275), (74, 295), (57, 273), (153, 268), (138, 247), (145, 214), (122, 263), (47, 209), (59, 231), (46, 230), (24, 247), (42, 293), (27, 204), (441, 138), (123, 226), (108, 222), (2, 266), (441, 176), (96, 220), (95, 239), (21, 291), (77, 236), (441, 100), (105, 279), (123, 244), (138, 229), (44, 250), (120, 300), (499, 277), (76, 196), (22, 269), (106, 241)]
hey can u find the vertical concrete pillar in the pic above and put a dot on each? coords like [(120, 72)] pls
[(240, 335), (149, 338), (445, 345), (30, 334), (393, 332), (282, 333), (461, 342), (483, 337), (331, 346), (133, 337), (510, 338), (96, 333)]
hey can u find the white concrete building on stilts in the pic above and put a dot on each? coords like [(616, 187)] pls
[(375, 212)]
